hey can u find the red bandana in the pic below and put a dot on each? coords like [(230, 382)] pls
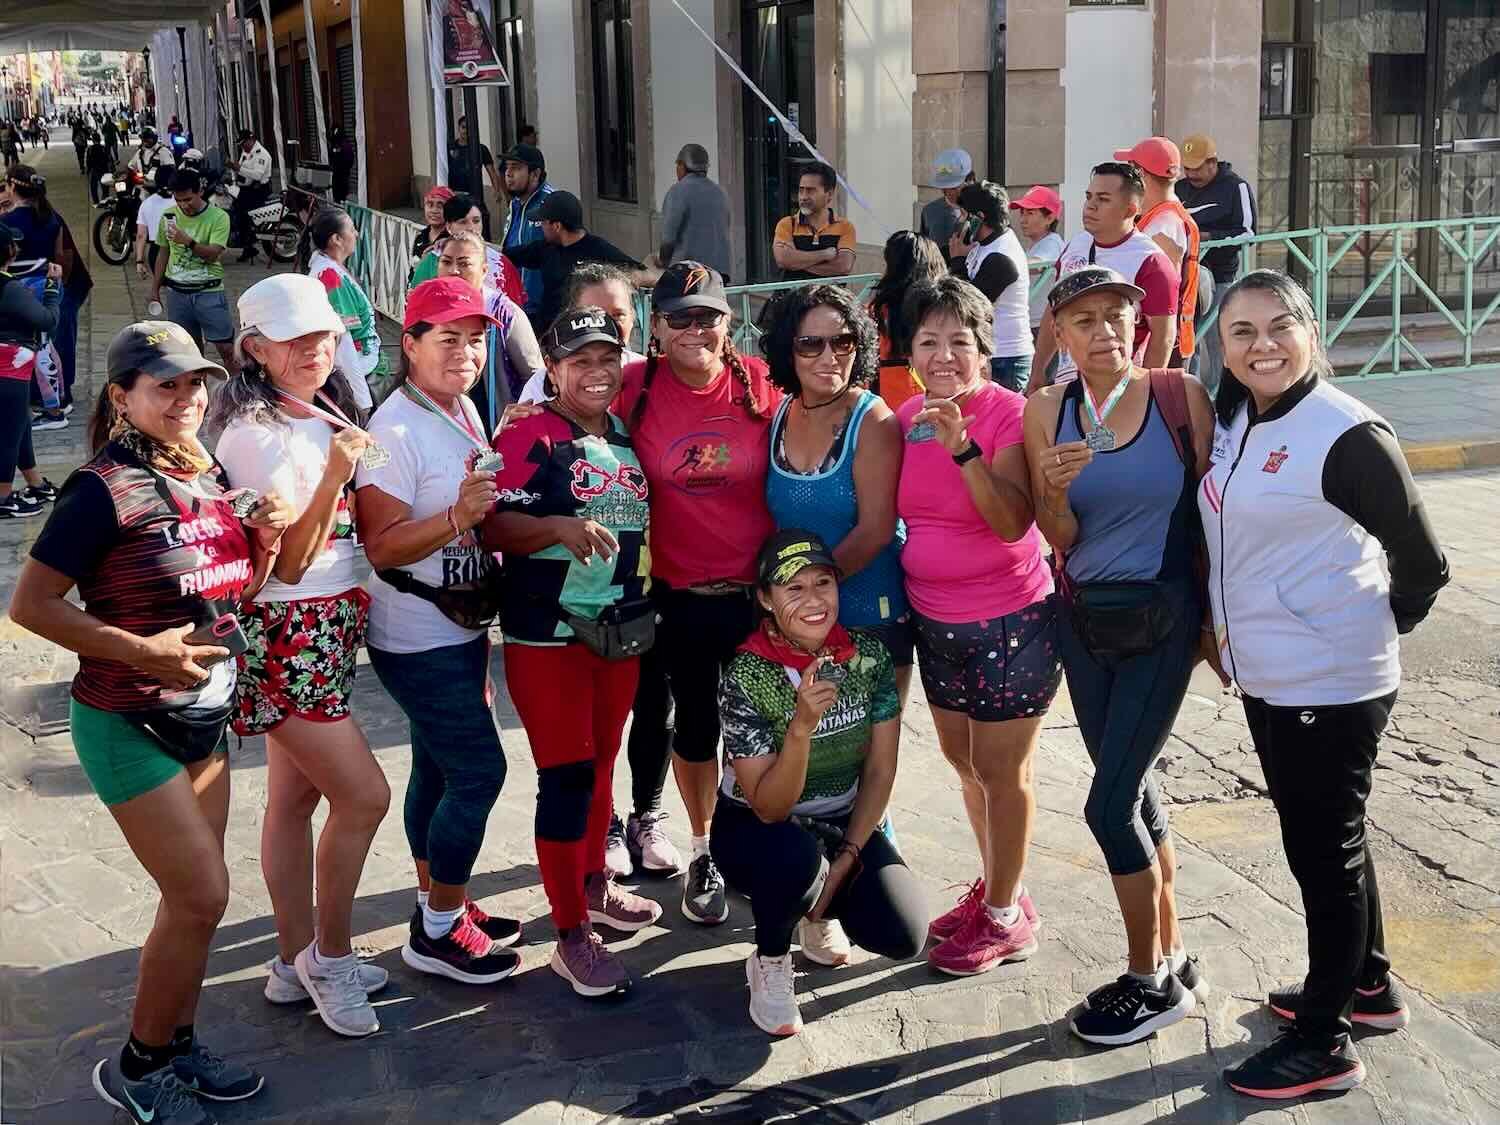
[(768, 643)]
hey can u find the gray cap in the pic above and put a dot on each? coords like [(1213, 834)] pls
[(693, 157), (951, 168)]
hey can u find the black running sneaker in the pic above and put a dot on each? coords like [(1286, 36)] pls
[(160, 1098), (43, 493), (465, 953), (1296, 1065), (1131, 1010), (214, 1077), (1382, 1007), (703, 899)]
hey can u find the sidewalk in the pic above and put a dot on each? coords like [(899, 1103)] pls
[(884, 1042)]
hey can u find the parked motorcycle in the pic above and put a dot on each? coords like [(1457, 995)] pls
[(114, 229), (276, 227)]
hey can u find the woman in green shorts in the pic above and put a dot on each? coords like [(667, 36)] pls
[(161, 553)]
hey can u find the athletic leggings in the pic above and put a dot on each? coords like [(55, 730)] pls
[(15, 428), (1125, 713), (457, 765), (782, 868), (652, 727), (573, 705)]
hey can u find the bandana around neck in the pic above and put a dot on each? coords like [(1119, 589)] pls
[(768, 643)]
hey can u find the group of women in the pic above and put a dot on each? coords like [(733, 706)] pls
[(737, 549)]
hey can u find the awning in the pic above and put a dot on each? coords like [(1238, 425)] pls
[(94, 25)]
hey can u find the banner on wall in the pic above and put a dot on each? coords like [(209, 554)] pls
[(468, 55)]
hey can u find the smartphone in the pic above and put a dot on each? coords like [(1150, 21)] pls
[(224, 631), (970, 229)]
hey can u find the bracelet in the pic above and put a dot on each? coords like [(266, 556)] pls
[(849, 846), (453, 522)]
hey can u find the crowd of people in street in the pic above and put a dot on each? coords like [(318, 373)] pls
[(741, 556)]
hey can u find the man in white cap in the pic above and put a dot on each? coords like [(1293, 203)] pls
[(952, 169)]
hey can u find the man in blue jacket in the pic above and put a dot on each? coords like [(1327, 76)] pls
[(526, 184), (1223, 206)]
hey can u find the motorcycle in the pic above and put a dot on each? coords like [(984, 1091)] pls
[(276, 227), (114, 229)]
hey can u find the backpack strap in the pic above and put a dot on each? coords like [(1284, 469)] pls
[(1170, 391)]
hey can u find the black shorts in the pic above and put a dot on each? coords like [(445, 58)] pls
[(995, 670)]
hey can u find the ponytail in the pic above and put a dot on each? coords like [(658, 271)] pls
[(736, 364), (105, 419)]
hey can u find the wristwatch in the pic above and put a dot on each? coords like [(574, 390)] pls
[(968, 453)]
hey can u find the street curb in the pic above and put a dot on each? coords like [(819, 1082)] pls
[(1450, 456)]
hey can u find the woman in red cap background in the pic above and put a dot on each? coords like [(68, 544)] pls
[(432, 214)]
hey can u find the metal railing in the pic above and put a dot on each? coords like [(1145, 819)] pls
[(382, 258)]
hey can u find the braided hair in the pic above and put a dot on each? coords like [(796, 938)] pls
[(732, 360)]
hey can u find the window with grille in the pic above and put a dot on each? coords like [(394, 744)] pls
[(614, 100), (343, 60), (312, 148)]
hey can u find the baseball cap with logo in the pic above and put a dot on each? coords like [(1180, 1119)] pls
[(1156, 155), (561, 207), (1039, 198), (444, 300), (789, 552), (951, 168), (1197, 149), (157, 348), (689, 285), (587, 324), (1091, 279)]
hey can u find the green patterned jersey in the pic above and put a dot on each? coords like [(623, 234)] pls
[(757, 699)]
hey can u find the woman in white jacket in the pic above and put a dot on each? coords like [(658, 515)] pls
[(1321, 554)]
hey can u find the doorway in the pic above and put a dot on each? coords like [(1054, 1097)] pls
[(779, 58)]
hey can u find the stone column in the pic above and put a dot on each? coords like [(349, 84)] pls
[(1035, 104), (950, 58), (1208, 76)]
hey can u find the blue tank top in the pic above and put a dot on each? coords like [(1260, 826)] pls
[(1129, 504), (824, 502)]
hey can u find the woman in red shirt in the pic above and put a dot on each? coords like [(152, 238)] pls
[(699, 416)]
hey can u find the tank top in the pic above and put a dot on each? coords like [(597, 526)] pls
[(1129, 502), (1013, 306), (824, 502)]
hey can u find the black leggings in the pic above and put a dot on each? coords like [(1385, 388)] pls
[(649, 750), (782, 868), (15, 428)]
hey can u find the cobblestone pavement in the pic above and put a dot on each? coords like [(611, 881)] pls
[(884, 1042)]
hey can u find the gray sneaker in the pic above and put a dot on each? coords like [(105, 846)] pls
[(212, 1076), (283, 987), (158, 1099), (581, 959), (338, 992), (703, 898)]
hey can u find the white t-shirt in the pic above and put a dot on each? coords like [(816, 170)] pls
[(536, 387), (428, 463), (1170, 224), (1045, 249), (289, 460), (150, 213)]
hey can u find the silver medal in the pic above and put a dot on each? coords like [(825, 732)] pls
[(242, 502), (375, 457), (488, 462), (921, 432), (1100, 439)]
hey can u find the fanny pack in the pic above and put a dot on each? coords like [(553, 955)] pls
[(186, 736), (473, 605), (619, 633), (191, 286), (1118, 620)]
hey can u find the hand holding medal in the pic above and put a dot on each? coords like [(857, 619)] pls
[(1061, 464)]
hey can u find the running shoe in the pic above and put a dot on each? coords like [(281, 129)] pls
[(43, 493), (17, 506), (982, 944), (283, 987), (703, 899), (502, 931), (612, 905), (463, 954), (944, 926), (1028, 908), (1383, 1007), (824, 942), (338, 993), (649, 846), (50, 420), (582, 960), (160, 1098), (1193, 980), (773, 999), (617, 859), (1130, 1010), (1295, 1065), (212, 1076)]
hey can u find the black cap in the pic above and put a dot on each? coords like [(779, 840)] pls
[(246, 134), (789, 552), (561, 207), (1091, 279), (689, 285), (157, 348), (588, 324), (529, 155)]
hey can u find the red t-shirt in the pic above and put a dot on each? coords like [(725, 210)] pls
[(706, 460)]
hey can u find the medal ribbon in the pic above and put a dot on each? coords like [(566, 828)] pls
[(1097, 414), (422, 399), (333, 415)]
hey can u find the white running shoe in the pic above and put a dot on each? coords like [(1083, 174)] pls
[(617, 860), (649, 844), (283, 987), (773, 1000), (339, 994), (824, 942)]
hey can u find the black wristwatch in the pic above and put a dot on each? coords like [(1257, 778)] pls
[(968, 453)]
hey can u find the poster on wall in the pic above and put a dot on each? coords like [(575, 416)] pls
[(469, 57)]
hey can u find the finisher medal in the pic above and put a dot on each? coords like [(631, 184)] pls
[(375, 457), (486, 461), (1101, 439)]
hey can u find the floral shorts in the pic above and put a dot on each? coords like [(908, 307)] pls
[(300, 660), (996, 670)]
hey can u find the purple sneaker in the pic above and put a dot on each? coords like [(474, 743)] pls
[(581, 959), (612, 905)]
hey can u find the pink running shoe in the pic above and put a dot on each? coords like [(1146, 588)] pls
[(1028, 908), (946, 925), (982, 944)]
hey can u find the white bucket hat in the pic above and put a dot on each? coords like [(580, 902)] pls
[(283, 307)]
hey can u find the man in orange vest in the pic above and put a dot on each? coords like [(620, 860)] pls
[(1167, 222)]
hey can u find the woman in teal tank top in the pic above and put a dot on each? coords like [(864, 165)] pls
[(836, 456)]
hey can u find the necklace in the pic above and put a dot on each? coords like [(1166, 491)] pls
[(842, 394)]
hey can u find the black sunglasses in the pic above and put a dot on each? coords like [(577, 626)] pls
[(695, 318), (811, 347)]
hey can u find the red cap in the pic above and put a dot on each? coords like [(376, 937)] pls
[(439, 192), (1039, 198), (442, 300), (1156, 155)]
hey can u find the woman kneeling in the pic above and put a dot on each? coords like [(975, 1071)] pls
[(811, 724)]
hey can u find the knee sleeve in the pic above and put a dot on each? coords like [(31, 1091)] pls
[(562, 801)]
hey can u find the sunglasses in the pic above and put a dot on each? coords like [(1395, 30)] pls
[(811, 347), (706, 319)]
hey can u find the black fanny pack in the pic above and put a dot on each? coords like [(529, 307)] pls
[(473, 605), (187, 736), (619, 633), (1118, 620)]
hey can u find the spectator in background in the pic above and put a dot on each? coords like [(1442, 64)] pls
[(148, 221), (1168, 224), (605, 286), (526, 183), (97, 161), (953, 168), (1039, 214), (565, 245), (342, 155), (991, 259), (437, 226), (194, 233), (814, 242), (112, 141), (253, 170), (527, 135), (23, 320), (1223, 206), (695, 215), (463, 177), (910, 261), (461, 213)]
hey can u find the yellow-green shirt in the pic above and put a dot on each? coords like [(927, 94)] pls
[(209, 227)]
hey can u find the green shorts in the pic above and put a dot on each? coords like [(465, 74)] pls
[(121, 761)]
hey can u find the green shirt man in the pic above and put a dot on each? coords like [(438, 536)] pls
[(195, 233)]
